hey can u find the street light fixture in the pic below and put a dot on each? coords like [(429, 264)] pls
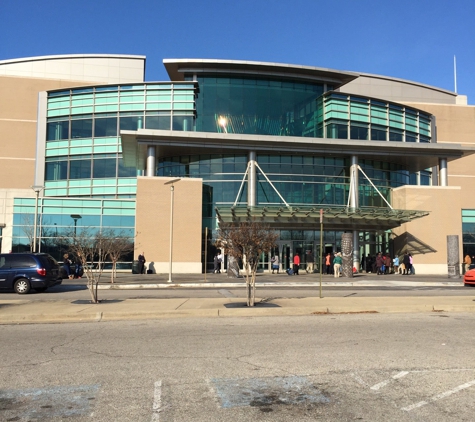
[(172, 189), (37, 189), (75, 217)]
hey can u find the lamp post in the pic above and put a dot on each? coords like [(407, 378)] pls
[(75, 217), (172, 189), (37, 189)]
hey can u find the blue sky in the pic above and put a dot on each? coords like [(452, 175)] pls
[(408, 39)]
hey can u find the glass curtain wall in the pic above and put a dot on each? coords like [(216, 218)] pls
[(83, 151), (55, 220), (257, 106)]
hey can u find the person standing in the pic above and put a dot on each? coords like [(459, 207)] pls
[(369, 263), (328, 263), (411, 266), (215, 263), (309, 262), (220, 260), (387, 264), (67, 265), (406, 262), (337, 261), (275, 263), (142, 261), (379, 264), (296, 264), (467, 262), (396, 264)]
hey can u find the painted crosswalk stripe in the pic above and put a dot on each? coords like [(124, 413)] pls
[(439, 396), (386, 382), (157, 401)]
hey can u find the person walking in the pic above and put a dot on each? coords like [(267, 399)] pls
[(296, 264), (309, 262), (142, 262), (337, 261)]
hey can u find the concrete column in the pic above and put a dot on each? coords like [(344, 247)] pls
[(150, 172), (347, 252), (354, 204), (252, 180), (354, 182), (453, 256), (443, 176)]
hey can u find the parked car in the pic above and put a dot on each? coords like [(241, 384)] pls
[(469, 278), (25, 271)]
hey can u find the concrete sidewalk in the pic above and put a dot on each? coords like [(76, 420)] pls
[(160, 281), (25, 311)]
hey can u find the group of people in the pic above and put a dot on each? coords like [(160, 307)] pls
[(72, 268), (333, 262), (383, 264)]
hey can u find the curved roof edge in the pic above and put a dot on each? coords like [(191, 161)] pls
[(177, 67), (71, 56), (408, 82)]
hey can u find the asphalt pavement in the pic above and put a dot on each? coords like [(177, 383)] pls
[(25, 311)]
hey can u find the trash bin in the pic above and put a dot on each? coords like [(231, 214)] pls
[(135, 266)]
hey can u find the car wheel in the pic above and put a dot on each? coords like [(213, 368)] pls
[(40, 289), (22, 286)]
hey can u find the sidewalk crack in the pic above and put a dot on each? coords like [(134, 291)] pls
[(176, 309)]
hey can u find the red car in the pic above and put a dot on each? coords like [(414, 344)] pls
[(469, 278)]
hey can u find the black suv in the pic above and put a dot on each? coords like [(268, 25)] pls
[(24, 271)]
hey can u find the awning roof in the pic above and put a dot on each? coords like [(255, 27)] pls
[(414, 156), (308, 217)]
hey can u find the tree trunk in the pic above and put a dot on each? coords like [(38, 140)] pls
[(90, 287), (248, 287), (253, 287)]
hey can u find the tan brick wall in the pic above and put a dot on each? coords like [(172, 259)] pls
[(18, 114), (456, 124), (426, 238), (153, 223)]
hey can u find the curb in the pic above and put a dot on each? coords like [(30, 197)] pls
[(389, 283), (317, 310)]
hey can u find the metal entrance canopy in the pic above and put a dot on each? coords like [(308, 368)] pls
[(308, 217)]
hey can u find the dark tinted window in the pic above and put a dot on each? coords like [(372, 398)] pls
[(47, 261), (20, 261)]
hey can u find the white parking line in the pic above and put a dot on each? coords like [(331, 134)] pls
[(157, 402), (439, 396), (386, 382)]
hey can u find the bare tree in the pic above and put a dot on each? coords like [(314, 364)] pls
[(246, 241), (118, 245), (27, 226), (90, 248)]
